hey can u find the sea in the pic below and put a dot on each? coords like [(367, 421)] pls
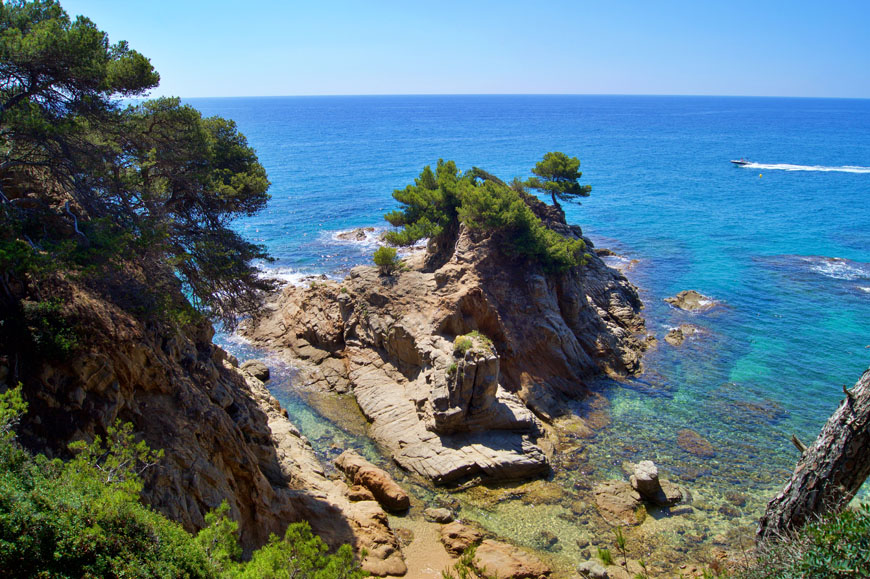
[(782, 244)]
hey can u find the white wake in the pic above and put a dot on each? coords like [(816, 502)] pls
[(821, 168)]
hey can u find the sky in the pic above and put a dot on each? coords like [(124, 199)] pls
[(818, 48)]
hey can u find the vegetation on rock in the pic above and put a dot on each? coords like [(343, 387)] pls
[(133, 202), (557, 174), (83, 518), (437, 202), (386, 260)]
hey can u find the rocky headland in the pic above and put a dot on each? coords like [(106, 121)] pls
[(460, 358), (225, 438)]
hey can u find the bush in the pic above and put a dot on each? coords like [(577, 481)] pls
[(386, 260), (461, 345), (83, 518), (837, 546), (439, 201)]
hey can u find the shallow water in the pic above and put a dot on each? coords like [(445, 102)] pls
[(782, 244)]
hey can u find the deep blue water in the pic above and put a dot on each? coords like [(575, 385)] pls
[(795, 325)]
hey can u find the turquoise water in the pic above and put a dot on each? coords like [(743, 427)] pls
[(794, 325)]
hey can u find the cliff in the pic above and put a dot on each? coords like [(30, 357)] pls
[(456, 359), (224, 436)]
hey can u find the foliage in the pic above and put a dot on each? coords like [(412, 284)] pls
[(299, 554), (52, 332), (557, 174), (836, 546), (83, 518), (620, 544), (429, 205), (438, 201), (461, 345), (386, 260), (135, 201), (605, 556), (465, 568)]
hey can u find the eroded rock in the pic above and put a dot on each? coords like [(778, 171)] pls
[(692, 301), (257, 369), (378, 481), (508, 562), (452, 415), (457, 537)]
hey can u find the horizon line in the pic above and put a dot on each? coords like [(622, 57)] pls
[(337, 95)]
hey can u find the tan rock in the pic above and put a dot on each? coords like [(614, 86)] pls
[(618, 503), (692, 301), (458, 537), (361, 472), (508, 562), (447, 415)]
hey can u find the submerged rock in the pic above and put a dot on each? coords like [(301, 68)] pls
[(676, 336), (438, 515), (694, 443), (692, 301)]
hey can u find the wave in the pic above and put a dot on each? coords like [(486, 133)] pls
[(367, 237), (820, 168), (290, 276), (838, 268)]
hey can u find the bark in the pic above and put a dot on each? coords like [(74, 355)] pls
[(829, 472)]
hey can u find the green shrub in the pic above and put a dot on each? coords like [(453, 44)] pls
[(83, 518), (386, 260), (605, 556), (451, 369), (837, 546), (52, 332), (446, 197), (461, 345)]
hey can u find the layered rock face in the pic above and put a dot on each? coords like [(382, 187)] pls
[(224, 436), (457, 359)]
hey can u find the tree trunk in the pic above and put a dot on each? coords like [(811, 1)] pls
[(829, 472)]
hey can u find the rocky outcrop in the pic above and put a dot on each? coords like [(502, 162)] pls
[(457, 537), (676, 336), (692, 301), (455, 360), (224, 436), (503, 560), (622, 503), (378, 481)]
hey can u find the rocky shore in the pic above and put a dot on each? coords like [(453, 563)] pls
[(458, 365)]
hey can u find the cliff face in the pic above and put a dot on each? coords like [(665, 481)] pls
[(447, 410), (224, 436)]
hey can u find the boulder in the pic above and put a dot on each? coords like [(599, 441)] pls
[(694, 443), (257, 369), (360, 493), (358, 234), (677, 336), (618, 503), (457, 537), (692, 301), (592, 570), (508, 562), (440, 515), (645, 480), (385, 490)]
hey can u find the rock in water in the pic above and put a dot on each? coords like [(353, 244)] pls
[(592, 570), (694, 443), (645, 479), (508, 562), (692, 301), (257, 369), (439, 515), (458, 537), (378, 481)]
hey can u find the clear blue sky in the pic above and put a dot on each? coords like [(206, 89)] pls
[(323, 47)]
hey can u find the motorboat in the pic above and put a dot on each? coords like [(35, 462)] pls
[(740, 162)]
